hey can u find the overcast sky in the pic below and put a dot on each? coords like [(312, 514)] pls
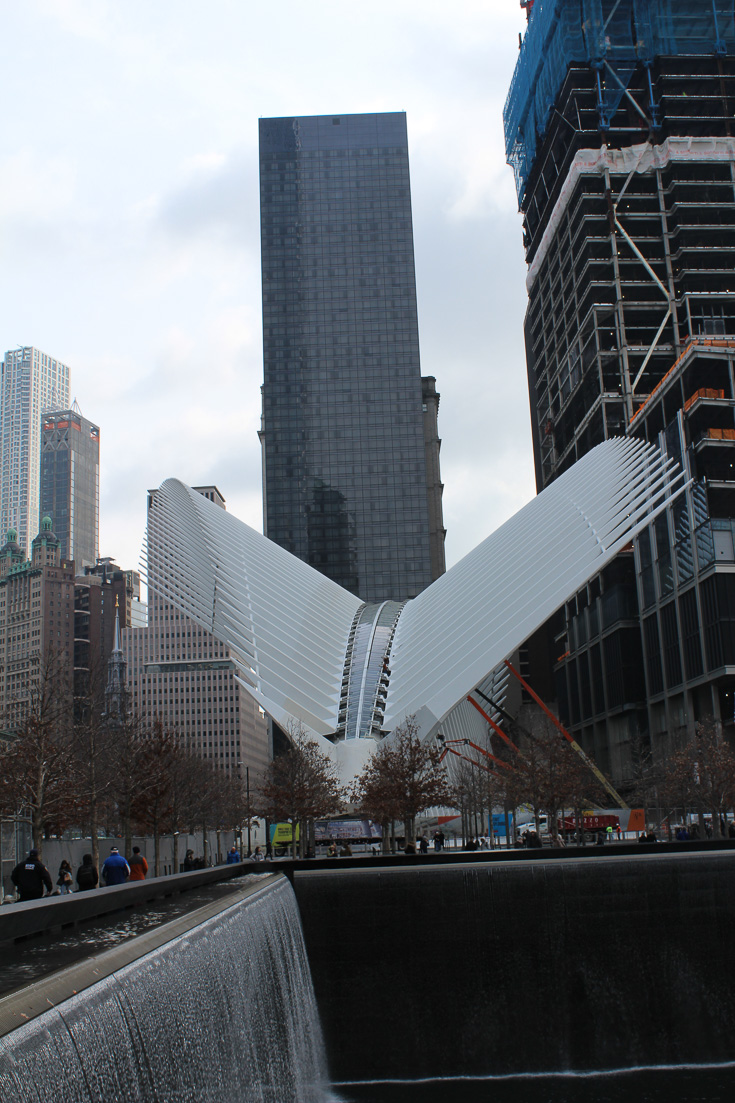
[(129, 226)]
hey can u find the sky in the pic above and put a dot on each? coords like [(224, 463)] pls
[(129, 226)]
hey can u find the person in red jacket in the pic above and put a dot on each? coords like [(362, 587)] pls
[(138, 866)]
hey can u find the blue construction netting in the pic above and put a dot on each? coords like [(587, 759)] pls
[(617, 32)]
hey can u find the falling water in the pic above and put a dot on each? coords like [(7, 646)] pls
[(225, 1012)]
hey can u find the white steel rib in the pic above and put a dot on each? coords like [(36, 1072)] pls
[(291, 630)]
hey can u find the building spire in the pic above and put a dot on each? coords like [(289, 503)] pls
[(116, 692), (116, 644)]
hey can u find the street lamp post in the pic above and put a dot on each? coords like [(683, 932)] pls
[(247, 804)]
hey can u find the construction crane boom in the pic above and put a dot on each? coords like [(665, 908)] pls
[(573, 742)]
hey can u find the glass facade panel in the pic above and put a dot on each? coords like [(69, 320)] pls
[(670, 634), (345, 474), (70, 466), (689, 617), (663, 552), (705, 547), (653, 655)]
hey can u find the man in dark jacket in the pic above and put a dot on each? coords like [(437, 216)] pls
[(87, 876), (30, 876), (116, 870)]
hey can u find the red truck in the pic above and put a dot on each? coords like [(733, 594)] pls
[(623, 819)]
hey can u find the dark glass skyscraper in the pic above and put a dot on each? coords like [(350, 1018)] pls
[(70, 483), (350, 446)]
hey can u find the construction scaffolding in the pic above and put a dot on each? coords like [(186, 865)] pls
[(629, 212), (613, 37)]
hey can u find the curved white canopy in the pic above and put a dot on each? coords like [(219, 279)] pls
[(291, 629)]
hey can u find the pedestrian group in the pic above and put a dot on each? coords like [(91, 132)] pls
[(32, 880)]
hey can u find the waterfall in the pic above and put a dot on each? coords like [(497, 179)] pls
[(224, 1012)]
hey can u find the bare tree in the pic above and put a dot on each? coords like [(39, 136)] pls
[(549, 775), (36, 768), (641, 786), (300, 786), (403, 778), (702, 775), (471, 794), (227, 810), (92, 742), (150, 805), (183, 779), (128, 782)]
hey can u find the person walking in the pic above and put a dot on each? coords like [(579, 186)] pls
[(87, 875), (190, 862), (116, 870), (30, 877), (233, 855), (65, 880), (138, 866)]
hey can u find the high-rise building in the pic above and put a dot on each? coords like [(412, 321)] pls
[(619, 126), (350, 470), (181, 674), (70, 483), (104, 599), (31, 384), (36, 628)]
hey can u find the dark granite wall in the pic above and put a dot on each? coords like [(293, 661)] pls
[(592, 963)]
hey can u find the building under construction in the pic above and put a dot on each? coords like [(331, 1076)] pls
[(619, 126)]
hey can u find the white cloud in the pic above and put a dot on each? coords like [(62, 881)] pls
[(129, 211), (36, 187)]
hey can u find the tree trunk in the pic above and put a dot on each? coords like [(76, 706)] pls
[(37, 813), (37, 830), (716, 833), (156, 848), (385, 840), (700, 819), (205, 843), (175, 852), (514, 826), (93, 827), (127, 829)]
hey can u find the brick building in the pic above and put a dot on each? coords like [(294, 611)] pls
[(36, 624)]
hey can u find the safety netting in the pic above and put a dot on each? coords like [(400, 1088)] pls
[(614, 35)]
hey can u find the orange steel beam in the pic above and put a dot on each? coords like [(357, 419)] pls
[(493, 725), (469, 743), (558, 724), (480, 765)]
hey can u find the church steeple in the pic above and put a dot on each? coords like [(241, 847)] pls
[(116, 692)]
